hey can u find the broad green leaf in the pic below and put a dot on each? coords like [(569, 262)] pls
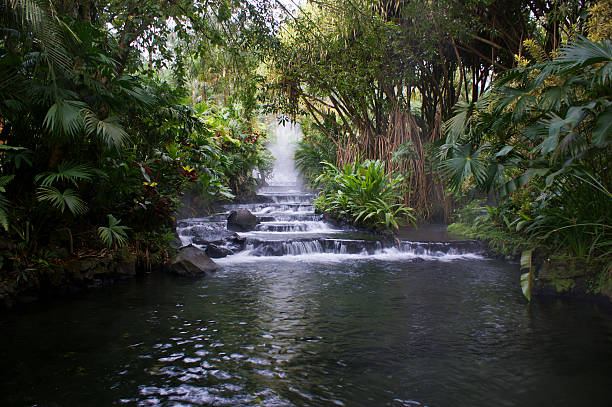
[(603, 128), (504, 151), (527, 278), (526, 259), (526, 285)]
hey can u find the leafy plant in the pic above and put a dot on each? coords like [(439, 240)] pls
[(68, 199), (113, 235), (540, 137), (66, 172), (363, 193)]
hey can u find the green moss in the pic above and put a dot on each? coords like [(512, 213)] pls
[(562, 285), (500, 241), (602, 284)]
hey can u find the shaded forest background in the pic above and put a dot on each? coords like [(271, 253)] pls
[(111, 111)]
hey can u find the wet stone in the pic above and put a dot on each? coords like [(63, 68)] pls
[(217, 252), (241, 220)]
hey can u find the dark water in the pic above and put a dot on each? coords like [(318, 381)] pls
[(275, 332)]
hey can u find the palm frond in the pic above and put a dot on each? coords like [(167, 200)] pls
[(113, 234), (602, 133), (61, 201), (66, 171), (108, 130), (454, 128), (39, 18), (64, 117), (465, 163), (583, 52)]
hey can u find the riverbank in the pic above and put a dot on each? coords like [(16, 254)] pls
[(63, 277), (554, 274), (62, 274)]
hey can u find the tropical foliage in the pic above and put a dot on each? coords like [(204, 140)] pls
[(104, 140), (387, 73), (541, 137), (364, 194), (111, 110)]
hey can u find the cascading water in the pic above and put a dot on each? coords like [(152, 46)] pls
[(282, 149), (289, 228)]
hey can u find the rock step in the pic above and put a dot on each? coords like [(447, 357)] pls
[(293, 226), (264, 247)]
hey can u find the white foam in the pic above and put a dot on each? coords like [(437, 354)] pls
[(389, 254)]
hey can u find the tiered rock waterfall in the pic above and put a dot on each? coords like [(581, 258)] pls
[(289, 226)]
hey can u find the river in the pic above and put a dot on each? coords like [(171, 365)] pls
[(310, 314)]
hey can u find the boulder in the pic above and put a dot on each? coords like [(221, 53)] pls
[(191, 262), (216, 252), (241, 220)]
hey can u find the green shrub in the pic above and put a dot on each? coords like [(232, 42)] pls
[(541, 138), (313, 150), (364, 194)]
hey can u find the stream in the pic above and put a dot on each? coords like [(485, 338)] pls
[(310, 314)]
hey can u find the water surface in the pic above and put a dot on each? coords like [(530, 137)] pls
[(362, 333)]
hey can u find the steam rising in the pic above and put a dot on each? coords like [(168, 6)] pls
[(282, 149)]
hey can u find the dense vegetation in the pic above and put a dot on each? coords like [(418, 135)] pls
[(110, 111), (468, 101), (541, 137), (102, 134)]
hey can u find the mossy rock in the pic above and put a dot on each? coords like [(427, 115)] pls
[(574, 277), (556, 269), (191, 261)]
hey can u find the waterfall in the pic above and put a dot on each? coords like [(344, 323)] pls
[(290, 229), (286, 137)]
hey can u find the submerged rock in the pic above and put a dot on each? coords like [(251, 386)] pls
[(191, 262), (241, 220), (236, 243)]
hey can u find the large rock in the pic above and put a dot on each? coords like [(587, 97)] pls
[(217, 252), (241, 220), (191, 262)]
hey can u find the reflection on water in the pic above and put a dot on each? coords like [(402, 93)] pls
[(365, 333)]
